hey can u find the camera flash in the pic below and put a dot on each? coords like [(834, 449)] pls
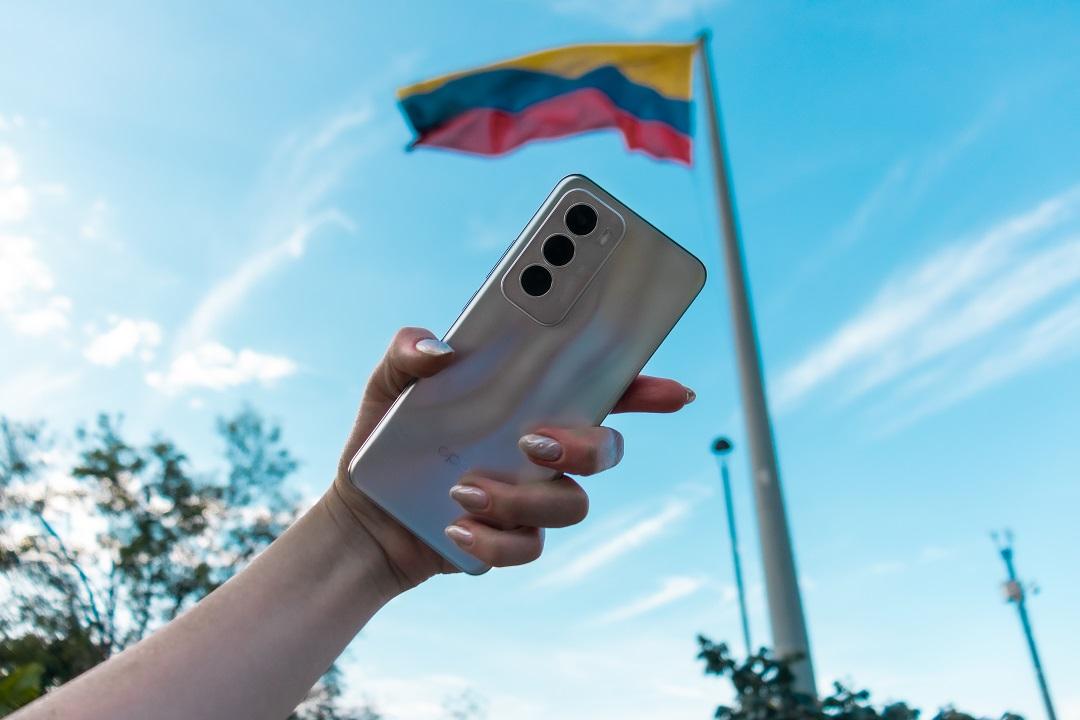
[(605, 237)]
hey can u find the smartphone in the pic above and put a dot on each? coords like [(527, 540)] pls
[(562, 324)]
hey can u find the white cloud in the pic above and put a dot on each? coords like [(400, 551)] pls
[(124, 337), (638, 534), (216, 367), (638, 17), (957, 295), (671, 590), (27, 303)]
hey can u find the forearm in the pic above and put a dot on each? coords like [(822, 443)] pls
[(252, 648)]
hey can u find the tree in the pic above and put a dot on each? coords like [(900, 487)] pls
[(764, 690), (98, 551)]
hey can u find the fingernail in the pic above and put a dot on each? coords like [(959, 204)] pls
[(541, 446), (691, 396), (459, 535), (433, 347), (469, 497)]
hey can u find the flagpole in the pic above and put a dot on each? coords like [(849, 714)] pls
[(789, 635)]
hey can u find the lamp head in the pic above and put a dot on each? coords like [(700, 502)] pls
[(721, 446)]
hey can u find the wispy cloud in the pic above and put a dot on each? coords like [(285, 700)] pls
[(1054, 337), (637, 17), (634, 536), (229, 292), (297, 183), (957, 295), (671, 590), (871, 204)]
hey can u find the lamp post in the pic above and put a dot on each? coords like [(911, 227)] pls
[(721, 448)]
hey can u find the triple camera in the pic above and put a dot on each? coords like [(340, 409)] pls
[(558, 249)]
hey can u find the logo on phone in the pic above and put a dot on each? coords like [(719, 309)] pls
[(448, 455)]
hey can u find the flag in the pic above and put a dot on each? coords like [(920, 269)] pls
[(643, 90)]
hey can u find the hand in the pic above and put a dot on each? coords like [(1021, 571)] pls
[(502, 524)]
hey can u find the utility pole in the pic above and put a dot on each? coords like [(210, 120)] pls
[(1015, 593), (721, 447), (789, 635)]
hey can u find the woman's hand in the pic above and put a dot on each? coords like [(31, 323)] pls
[(501, 524)]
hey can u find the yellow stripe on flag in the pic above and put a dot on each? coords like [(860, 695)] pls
[(665, 67)]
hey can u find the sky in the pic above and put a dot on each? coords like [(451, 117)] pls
[(203, 206)]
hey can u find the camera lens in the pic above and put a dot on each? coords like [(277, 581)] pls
[(535, 280), (581, 219), (558, 250)]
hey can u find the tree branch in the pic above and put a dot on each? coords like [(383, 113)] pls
[(70, 559)]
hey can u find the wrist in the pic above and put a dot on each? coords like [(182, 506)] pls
[(359, 549), (402, 560)]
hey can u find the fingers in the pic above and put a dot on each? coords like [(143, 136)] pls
[(413, 353), (582, 451), (654, 395), (555, 504), (498, 548)]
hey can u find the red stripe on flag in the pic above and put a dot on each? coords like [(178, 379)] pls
[(485, 131)]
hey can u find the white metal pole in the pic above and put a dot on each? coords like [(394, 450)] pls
[(788, 625)]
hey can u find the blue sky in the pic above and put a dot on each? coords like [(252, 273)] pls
[(204, 206)]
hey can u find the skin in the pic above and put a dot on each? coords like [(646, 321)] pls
[(256, 645)]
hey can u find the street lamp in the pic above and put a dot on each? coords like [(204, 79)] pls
[(1016, 593), (721, 448)]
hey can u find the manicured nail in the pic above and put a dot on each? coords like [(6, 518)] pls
[(433, 347), (460, 535), (691, 396), (469, 497), (541, 447)]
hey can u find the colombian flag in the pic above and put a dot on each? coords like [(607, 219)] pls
[(641, 89)]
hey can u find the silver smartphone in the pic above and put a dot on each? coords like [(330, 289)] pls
[(560, 327)]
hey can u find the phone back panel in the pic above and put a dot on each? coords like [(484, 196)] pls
[(512, 373)]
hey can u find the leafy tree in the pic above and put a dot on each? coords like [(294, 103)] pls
[(99, 548), (764, 690)]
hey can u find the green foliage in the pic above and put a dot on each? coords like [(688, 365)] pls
[(97, 552), (19, 686), (763, 686)]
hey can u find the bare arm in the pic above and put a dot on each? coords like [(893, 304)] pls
[(254, 647)]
